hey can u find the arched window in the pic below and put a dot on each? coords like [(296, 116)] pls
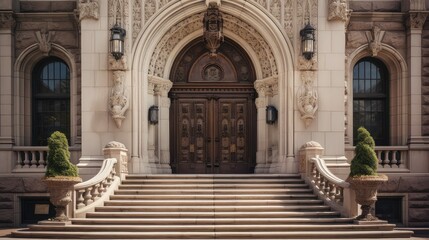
[(50, 100), (370, 99)]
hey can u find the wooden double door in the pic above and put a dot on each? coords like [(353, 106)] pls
[(213, 132)]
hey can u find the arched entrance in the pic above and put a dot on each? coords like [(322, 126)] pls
[(212, 113)]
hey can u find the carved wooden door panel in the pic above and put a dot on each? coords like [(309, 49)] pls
[(213, 134)]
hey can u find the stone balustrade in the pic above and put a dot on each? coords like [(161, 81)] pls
[(92, 193), (390, 158), (34, 158)]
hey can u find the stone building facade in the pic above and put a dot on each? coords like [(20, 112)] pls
[(369, 68)]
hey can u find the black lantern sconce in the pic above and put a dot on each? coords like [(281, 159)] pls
[(117, 36), (271, 114), (153, 115), (307, 41)]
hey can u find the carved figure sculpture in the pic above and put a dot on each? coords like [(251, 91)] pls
[(307, 99), (118, 101)]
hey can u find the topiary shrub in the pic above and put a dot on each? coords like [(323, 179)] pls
[(59, 157), (365, 161)]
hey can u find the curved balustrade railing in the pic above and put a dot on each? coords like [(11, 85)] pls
[(93, 193), (327, 186)]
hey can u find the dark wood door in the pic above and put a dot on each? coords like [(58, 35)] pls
[(212, 114), (213, 134)]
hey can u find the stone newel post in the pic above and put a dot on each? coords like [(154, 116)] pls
[(309, 150), (120, 152)]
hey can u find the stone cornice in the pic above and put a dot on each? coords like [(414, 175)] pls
[(378, 16)]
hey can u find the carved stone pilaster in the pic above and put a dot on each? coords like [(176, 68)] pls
[(260, 102), (44, 39), (417, 19), (89, 9), (118, 101), (374, 38), (7, 20), (337, 10), (307, 98)]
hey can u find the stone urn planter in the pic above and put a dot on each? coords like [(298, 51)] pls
[(60, 189), (366, 188)]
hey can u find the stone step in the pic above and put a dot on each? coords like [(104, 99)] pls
[(217, 221), (211, 191), (213, 186), (213, 176), (210, 228), (284, 214), (212, 197), (237, 202), (217, 235), (257, 208), (210, 181)]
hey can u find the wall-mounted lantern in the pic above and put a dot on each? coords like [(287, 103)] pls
[(153, 115), (307, 41), (271, 114), (117, 36)]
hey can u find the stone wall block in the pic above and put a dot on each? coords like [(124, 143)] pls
[(394, 39), (63, 6), (425, 119), (413, 184), (355, 39), (425, 82), (39, 6), (6, 216), (418, 204), (360, 26), (360, 6), (425, 99), (9, 185), (4, 197), (425, 130), (418, 196), (391, 185), (418, 214), (425, 109), (386, 6), (425, 89), (6, 205), (34, 185)]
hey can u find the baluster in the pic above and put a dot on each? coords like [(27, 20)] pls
[(397, 156), (332, 191), (87, 196), (339, 195), (318, 178), (26, 160), (403, 158), (79, 199), (95, 194), (322, 184), (313, 172), (19, 161), (380, 160), (33, 160), (392, 158), (42, 161), (102, 188)]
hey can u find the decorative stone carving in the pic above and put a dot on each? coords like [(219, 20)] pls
[(137, 18), (307, 65), (267, 87), (216, 3), (149, 9), (275, 9), (114, 144), (89, 9), (194, 23), (337, 10), (417, 19), (260, 102), (44, 39), (288, 18), (159, 86), (7, 20), (307, 98), (374, 38), (117, 65), (118, 101)]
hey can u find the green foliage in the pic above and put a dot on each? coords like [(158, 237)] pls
[(59, 157), (365, 161)]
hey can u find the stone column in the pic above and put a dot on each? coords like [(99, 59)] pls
[(7, 24), (161, 136), (415, 22), (261, 149)]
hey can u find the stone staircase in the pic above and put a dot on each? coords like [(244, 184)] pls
[(213, 206)]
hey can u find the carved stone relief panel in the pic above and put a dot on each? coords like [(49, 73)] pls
[(118, 101), (89, 9), (307, 97), (337, 10), (194, 23)]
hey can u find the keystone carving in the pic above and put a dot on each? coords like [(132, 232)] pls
[(89, 9), (118, 101), (44, 39), (215, 3), (337, 10), (307, 98), (374, 38)]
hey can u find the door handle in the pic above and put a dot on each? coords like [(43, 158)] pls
[(209, 165), (216, 164)]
